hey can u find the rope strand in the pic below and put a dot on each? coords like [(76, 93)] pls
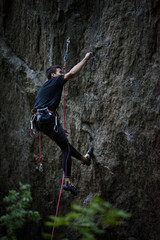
[(58, 205), (65, 61)]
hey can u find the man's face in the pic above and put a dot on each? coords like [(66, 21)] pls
[(59, 71)]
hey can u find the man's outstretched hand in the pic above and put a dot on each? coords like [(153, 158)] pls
[(88, 55), (76, 69)]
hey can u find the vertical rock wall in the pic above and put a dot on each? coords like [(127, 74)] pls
[(116, 110)]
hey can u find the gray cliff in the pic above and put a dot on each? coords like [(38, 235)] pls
[(116, 110)]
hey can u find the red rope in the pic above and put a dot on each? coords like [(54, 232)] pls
[(39, 157), (58, 205), (65, 61), (63, 172)]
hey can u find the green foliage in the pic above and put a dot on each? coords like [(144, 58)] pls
[(92, 220), (17, 212)]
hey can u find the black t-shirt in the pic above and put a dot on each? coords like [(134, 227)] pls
[(49, 95)]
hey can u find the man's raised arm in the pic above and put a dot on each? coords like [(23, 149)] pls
[(76, 69)]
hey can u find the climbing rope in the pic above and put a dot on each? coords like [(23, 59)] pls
[(32, 133), (58, 205), (65, 62)]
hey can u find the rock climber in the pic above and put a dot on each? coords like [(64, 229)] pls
[(46, 119)]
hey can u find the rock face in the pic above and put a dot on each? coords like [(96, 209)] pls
[(116, 110)]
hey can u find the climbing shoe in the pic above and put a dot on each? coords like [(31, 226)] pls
[(88, 155), (70, 188)]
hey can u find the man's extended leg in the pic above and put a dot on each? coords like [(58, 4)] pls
[(60, 138), (84, 159)]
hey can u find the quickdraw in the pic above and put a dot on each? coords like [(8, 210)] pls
[(66, 54), (32, 132), (64, 68), (56, 124)]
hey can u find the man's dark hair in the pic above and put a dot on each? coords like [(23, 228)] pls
[(52, 69)]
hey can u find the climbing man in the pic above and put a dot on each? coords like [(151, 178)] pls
[(46, 120)]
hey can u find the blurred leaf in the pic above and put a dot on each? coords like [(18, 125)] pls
[(87, 221), (12, 197), (48, 224), (77, 208), (74, 215), (46, 235)]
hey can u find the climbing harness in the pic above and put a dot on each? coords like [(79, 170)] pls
[(92, 68)]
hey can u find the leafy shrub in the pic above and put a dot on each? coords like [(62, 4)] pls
[(17, 212)]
